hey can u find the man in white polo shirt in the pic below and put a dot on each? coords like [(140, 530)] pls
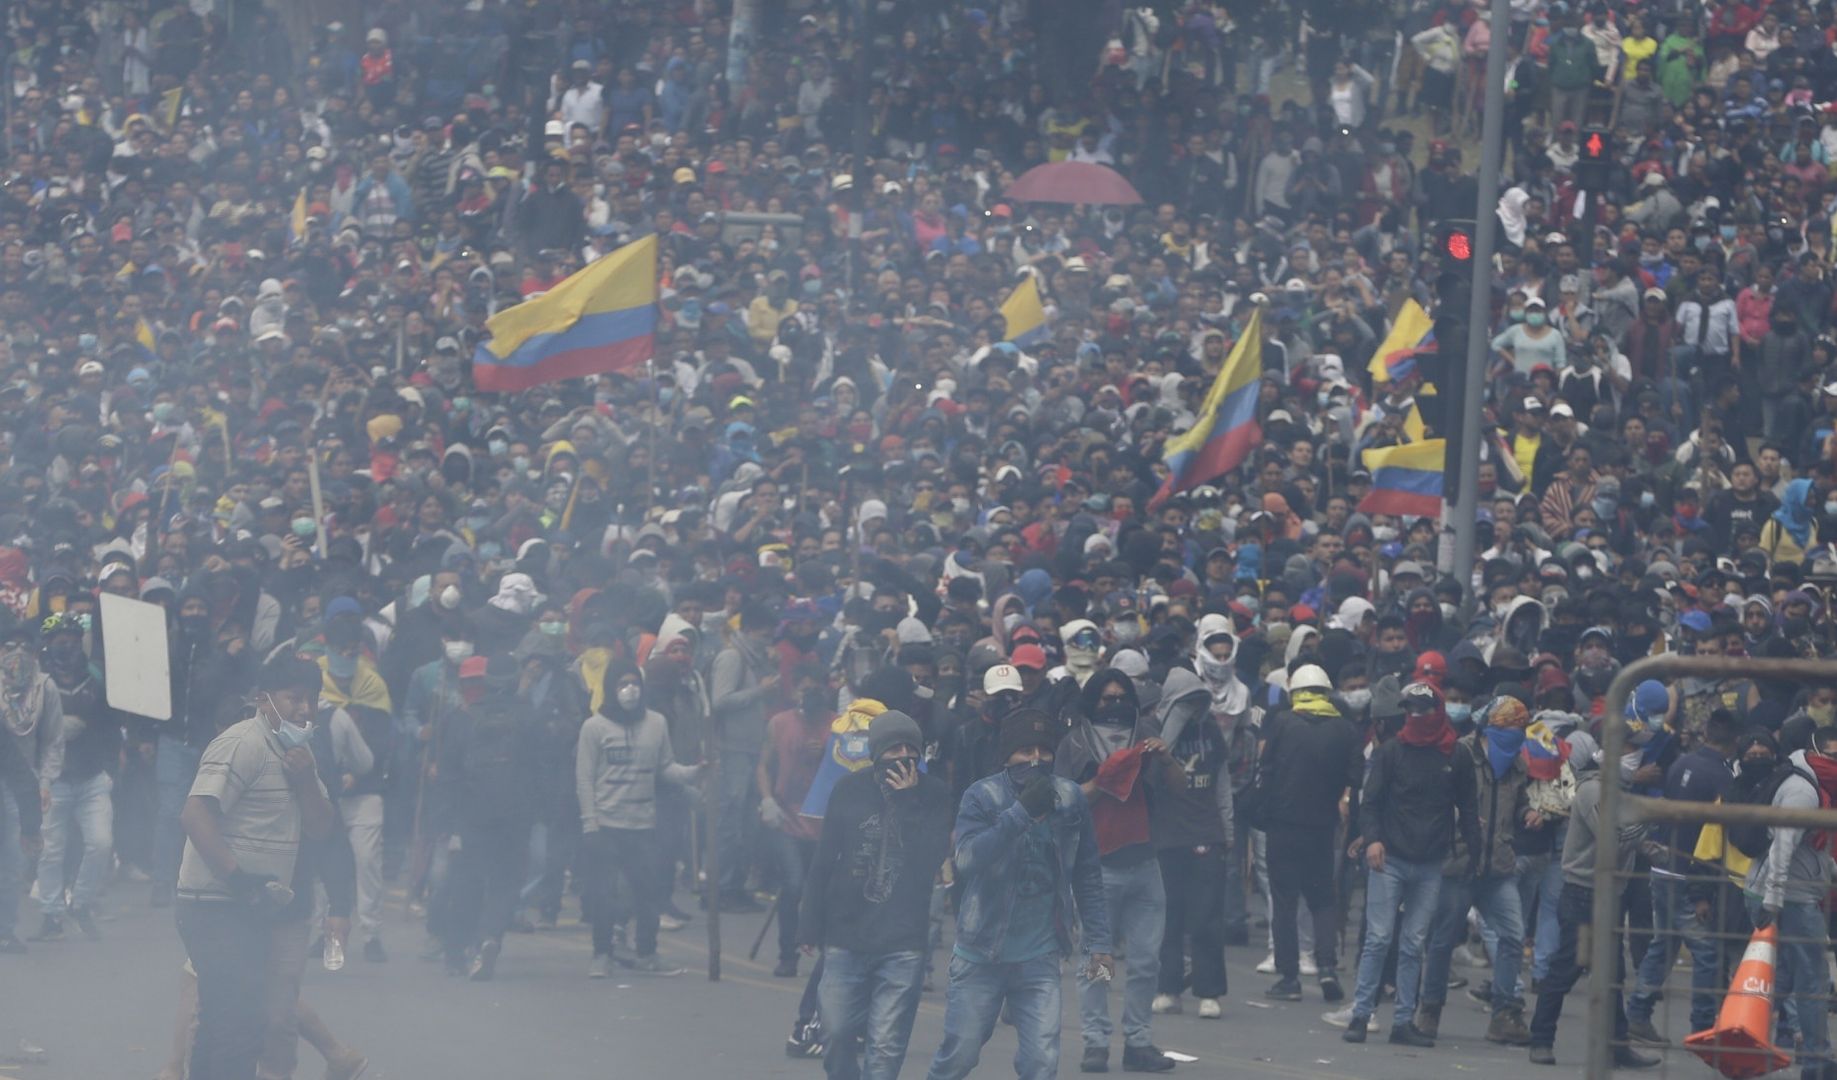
[(256, 792)]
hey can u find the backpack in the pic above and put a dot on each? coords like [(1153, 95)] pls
[(1753, 840)]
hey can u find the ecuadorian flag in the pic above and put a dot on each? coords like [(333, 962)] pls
[(1024, 314), (1227, 429), (603, 318), (1406, 480), (1412, 332)]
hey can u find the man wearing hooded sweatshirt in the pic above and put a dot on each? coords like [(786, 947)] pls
[(1115, 765), (1218, 659), (1787, 886), (742, 688), (1411, 804), (1488, 763), (1083, 649), (1311, 759), (1194, 839), (1575, 907), (676, 691), (620, 762), (866, 901)]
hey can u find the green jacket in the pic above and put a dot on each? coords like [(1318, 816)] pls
[(1572, 62)]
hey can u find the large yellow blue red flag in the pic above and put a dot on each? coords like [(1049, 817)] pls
[(296, 222), (602, 318), (1227, 429), (1412, 332), (1406, 480), (1024, 313)]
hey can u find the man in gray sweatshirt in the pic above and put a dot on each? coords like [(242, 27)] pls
[(622, 756), (742, 693)]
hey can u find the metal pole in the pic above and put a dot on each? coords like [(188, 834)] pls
[(1480, 303)]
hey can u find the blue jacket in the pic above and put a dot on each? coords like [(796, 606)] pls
[(989, 823)]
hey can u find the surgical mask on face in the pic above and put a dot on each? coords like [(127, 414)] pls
[(293, 735), (497, 447), (553, 628), (1534, 318), (629, 695), (1384, 534), (1018, 775), (304, 527), (520, 463), (1357, 700), (1516, 314), (1449, 611), (1830, 507), (457, 652), (340, 665), (1727, 231), (449, 597), (1647, 500), (1460, 712)]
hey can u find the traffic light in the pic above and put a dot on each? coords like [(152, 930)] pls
[(1594, 158), (1449, 369), (1454, 243)]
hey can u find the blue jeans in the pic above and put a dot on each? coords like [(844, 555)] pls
[(1414, 886), (1497, 898), (871, 998), (12, 862), (1529, 876), (1138, 916), (973, 1005), (1549, 898), (1804, 941), (792, 855), (1674, 922), (175, 766), (86, 805)]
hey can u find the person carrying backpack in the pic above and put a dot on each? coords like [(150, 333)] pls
[(1786, 888)]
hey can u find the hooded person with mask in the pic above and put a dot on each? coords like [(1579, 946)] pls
[(1195, 839), (866, 899), (622, 758), (1410, 807), (507, 616), (743, 690), (1485, 876), (1083, 649), (1115, 765)]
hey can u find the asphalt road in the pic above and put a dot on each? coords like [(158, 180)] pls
[(103, 1011)]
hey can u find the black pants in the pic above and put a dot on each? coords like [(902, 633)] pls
[(1300, 864), (1574, 910), (228, 945), (1194, 879), (482, 885), (605, 855)]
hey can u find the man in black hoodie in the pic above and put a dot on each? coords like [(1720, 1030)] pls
[(867, 897), (1311, 759)]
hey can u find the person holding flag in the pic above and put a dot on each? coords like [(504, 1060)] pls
[(1226, 430)]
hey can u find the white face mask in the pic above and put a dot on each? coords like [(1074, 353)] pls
[(457, 652), (449, 597), (628, 696), (1357, 700)]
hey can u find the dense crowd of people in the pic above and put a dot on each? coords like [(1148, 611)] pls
[(891, 606)]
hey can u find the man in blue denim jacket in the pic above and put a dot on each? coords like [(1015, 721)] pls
[(1026, 857)]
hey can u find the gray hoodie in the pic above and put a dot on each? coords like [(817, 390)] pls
[(616, 769), (1793, 871)]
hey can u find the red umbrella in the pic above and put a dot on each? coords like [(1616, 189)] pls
[(1073, 182)]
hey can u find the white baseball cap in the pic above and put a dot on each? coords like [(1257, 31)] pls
[(1001, 677)]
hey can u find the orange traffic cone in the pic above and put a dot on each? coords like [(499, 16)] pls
[(1738, 1045)]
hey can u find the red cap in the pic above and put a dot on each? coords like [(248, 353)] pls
[(1028, 656)]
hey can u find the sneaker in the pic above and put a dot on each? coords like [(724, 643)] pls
[(1625, 1057), (601, 967), (334, 954), (654, 965), (1096, 1060), (86, 922), (1166, 1004), (786, 969), (1285, 990), (805, 1041), (1481, 993), (1341, 1018), (666, 921), (1150, 1059), (349, 1067), (1508, 1028), (1209, 1009), (483, 964), (373, 951), (1428, 1020), (1407, 1035), (1473, 958), (1542, 1055), (1642, 1031), (52, 929), (1309, 969), (1357, 1027), (1330, 989), (1268, 966)]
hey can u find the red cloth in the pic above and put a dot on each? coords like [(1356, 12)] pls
[(1428, 729), (1825, 769), (1121, 817)]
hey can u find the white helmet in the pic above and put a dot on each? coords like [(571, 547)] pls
[(1309, 677)]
